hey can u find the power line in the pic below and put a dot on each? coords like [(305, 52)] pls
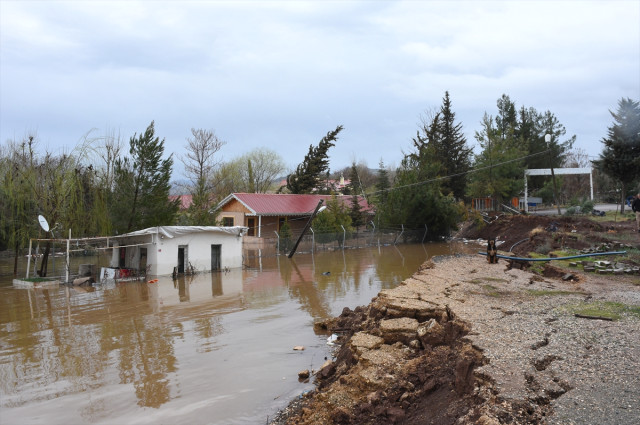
[(460, 174)]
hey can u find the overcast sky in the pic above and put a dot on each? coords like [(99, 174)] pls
[(282, 74)]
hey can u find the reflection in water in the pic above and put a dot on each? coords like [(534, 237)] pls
[(212, 348)]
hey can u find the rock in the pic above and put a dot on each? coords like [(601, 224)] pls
[(431, 333), (363, 340), (327, 370), (83, 281), (402, 330), (304, 374), (568, 276)]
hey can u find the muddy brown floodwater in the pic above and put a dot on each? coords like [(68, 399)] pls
[(206, 349)]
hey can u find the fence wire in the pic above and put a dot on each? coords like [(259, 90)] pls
[(314, 241)]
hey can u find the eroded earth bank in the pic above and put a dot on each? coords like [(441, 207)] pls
[(464, 341)]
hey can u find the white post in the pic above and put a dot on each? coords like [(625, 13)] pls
[(259, 226), (591, 182), (29, 258), (68, 265), (526, 199), (313, 238), (344, 235)]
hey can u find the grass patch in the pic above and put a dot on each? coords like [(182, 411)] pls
[(480, 280), (608, 309), (619, 237), (491, 291), (613, 216), (545, 293), (537, 267), (495, 279), (38, 279)]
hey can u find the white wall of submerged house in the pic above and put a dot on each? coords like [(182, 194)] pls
[(164, 248)]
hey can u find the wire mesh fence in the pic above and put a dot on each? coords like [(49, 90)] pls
[(313, 241)]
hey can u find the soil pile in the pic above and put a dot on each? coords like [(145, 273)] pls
[(542, 234)]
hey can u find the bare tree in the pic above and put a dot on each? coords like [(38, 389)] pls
[(199, 164), (255, 171), (113, 146), (576, 185)]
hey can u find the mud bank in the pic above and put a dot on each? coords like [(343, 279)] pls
[(464, 341)]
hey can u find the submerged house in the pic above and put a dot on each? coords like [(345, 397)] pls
[(265, 213), (164, 250)]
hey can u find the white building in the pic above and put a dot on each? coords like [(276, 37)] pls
[(165, 249)]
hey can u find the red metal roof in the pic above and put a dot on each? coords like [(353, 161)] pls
[(288, 204)]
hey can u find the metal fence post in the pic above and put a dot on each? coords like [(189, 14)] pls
[(313, 238), (344, 235), (278, 243)]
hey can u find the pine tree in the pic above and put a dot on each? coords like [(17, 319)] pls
[(452, 150), (382, 184), (620, 157), (314, 166), (142, 185), (356, 213)]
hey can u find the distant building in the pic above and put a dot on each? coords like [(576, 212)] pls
[(185, 200), (328, 185), (264, 213)]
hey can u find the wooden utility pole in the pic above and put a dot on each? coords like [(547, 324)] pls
[(306, 227)]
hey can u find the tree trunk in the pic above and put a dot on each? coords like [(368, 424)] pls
[(15, 260), (624, 197), (45, 260)]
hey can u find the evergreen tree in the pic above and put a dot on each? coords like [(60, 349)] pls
[(354, 187), (452, 150), (356, 213), (620, 157), (328, 224), (286, 242), (499, 174), (141, 194), (314, 166), (382, 184)]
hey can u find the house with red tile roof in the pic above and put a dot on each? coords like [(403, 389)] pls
[(265, 213)]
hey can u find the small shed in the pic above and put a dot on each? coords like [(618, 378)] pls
[(164, 249)]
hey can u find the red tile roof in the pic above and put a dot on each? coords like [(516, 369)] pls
[(185, 200), (287, 204)]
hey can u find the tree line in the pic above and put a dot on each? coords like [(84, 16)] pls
[(103, 188)]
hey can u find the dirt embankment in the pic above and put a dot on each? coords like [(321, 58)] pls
[(547, 233), (467, 342)]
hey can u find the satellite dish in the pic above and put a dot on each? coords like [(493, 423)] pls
[(43, 223)]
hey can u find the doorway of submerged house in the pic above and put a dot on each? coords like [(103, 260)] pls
[(182, 257), (215, 257)]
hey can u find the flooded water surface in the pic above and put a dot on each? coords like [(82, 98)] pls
[(205, 349)]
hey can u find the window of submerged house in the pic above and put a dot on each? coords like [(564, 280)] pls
[(227, 221)]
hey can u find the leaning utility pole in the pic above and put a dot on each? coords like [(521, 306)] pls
[(306, 227)]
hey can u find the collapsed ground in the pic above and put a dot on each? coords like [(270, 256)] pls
[(464, 341)]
